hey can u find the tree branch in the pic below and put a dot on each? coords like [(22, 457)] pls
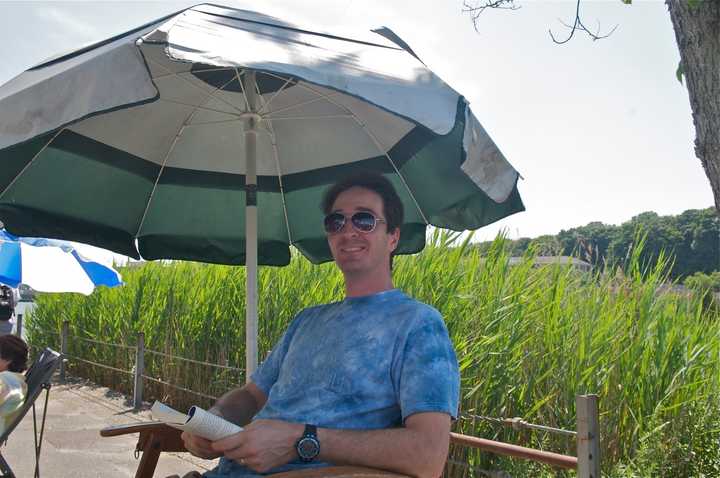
[(578, 25), (476, 7)]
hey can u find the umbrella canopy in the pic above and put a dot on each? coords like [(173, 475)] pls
[(50, 266), (212, 134)]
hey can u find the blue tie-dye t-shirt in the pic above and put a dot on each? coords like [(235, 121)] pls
[(363, 363)]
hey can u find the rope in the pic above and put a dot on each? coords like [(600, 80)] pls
[(157, 380), (131, 347), (99, 364), (518, 423), (193, 361)]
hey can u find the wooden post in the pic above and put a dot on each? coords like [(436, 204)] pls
[(139, 371), (64, 348), (18, 325), (588, 436)]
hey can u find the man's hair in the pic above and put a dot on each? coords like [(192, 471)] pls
[(392, 206), (15, 350)]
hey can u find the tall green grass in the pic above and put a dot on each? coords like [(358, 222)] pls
[(528, 340)]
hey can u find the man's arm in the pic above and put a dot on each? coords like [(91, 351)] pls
[(238, 406), (418, 449), (241, 404)]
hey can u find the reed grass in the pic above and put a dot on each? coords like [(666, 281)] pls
[(528, 340)]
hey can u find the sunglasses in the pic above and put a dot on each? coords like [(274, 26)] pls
[(362, 221)]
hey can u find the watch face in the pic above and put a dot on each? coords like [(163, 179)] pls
[(308, 448)]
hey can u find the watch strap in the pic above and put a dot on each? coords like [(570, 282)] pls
[(310, 438)]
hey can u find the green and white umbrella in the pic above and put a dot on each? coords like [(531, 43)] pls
[(210, 135)]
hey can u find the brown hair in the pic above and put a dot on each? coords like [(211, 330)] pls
[(392, 205), (15, 350), (377, 183)]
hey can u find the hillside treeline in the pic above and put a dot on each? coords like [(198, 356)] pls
[(692, 239)]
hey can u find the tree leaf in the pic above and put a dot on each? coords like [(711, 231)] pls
[(680, 72)]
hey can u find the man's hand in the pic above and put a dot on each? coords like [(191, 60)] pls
[(262, 445), (199, 446)]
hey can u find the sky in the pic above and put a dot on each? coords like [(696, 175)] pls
[(599, 130)]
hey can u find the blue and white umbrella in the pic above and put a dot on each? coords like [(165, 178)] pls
[(49, 265)]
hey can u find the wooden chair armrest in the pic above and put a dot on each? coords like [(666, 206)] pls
[(500, 448), (154, 438), (117, 430)]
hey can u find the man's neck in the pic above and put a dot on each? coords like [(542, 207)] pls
[(360, 286)]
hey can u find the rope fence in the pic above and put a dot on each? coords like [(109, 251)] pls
[(138, 371)]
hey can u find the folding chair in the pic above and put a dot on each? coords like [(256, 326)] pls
[(37, 378)]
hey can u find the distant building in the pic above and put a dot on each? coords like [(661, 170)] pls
[(554, 260)]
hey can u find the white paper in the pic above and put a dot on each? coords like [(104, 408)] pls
[(197, 421)]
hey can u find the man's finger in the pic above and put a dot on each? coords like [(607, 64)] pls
[(198, 446), (229, 443)]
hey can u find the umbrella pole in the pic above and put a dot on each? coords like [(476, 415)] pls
[(251, 233)]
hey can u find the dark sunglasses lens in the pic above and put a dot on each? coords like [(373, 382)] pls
[(334, 222), (363, 221)]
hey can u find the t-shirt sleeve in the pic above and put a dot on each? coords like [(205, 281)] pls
[(427, 375), (268, 371)]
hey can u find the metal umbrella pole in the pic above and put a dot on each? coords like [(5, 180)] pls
[(252, 120)]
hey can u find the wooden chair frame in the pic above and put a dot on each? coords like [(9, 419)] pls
[(156, 437)]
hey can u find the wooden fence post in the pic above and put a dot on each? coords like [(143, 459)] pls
[(588, 436), (139, 371), (64, 348), (18, 325)]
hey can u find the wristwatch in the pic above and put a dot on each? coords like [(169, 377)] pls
[(308, 446)]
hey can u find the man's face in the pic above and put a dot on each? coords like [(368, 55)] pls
[(357, 253)]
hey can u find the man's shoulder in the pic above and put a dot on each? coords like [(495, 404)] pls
[(314, 311), (422, 309)]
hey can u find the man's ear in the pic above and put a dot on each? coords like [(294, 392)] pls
[(394, 239)]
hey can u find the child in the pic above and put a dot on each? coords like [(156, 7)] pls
[(13, 361)]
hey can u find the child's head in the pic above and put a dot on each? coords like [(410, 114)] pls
[(13, 353)]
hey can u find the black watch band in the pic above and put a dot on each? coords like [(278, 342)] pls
[(308, 446)]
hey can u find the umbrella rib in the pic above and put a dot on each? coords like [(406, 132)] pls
[(167, 155), (266, 105), (197, 87), (206, 123), (273, 142), (242, 88), (374, 139), (157, 179), (7, 188), (382, 150), (283, 118), (203, 108), (298, 105)]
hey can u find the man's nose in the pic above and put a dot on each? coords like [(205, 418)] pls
[(348, 229)]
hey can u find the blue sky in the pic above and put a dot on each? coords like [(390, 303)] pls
[(600, 130)]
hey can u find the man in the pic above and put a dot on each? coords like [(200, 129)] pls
[(369, 381)]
